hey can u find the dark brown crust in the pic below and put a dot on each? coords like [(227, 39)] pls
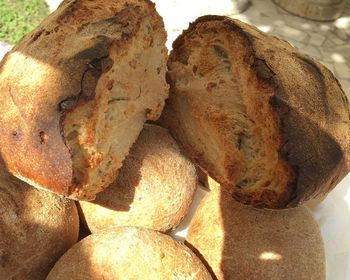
[(51, 76), (314, 117)]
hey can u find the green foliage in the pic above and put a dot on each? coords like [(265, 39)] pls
[(18, 17)]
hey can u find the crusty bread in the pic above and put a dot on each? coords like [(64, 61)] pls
[(36, 229), (266, 121), (154, 189), (240, 242), (129, 253), (76, 92)]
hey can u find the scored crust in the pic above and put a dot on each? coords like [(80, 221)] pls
[(267, 122), (154, 189), (238, 241), (129, 253), (77, 90)]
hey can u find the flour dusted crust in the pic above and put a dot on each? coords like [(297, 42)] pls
[(76, 92), (36, 229), (270, 124), (129, 253), (154, 189), (237, 241)]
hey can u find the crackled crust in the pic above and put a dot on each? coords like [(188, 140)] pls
[(270, 124), (65, 102)]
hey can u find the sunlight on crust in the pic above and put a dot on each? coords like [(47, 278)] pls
[(270, 256)]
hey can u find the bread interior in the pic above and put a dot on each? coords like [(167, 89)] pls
[(101, 131), (223, 109)]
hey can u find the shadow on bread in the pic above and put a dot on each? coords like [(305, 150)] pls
[(36, 229)]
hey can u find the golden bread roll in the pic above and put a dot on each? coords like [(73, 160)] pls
[(76, 92), (129, 253), (240, 242), (36, 229), (268, 122), (154, 188)]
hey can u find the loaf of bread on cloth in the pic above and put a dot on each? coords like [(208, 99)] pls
[(129, 253), (76, 92), (36, 229), (265, 121), (154, 188), (238, 241)]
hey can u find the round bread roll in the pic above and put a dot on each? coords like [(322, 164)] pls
[(270, 123), (129, 253), (36, 229), (77, 90), (240, 242), (154, 188)]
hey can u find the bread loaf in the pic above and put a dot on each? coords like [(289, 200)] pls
[(154, 189), (240, 242), (129, 253), (267, 122), (36, 229), (76, 92)]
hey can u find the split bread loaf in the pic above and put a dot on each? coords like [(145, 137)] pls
[(76, 92), (241, 242), (154, 188), (36, 229), (129, 253), (270, 124)]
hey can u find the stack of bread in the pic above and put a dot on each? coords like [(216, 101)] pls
[(96, 119)]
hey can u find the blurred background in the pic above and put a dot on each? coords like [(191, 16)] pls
[(18, 17)]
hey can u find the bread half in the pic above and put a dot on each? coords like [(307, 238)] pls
[(129, 253), (237, 241), (76, 92), (265, 121)]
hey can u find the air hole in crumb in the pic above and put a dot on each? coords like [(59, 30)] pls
[(44, 138), (67, 104), (268, 183), (148, 111), (110, 84), (72, 135), (36, 35), (183, 58), (220, 52), (106, 64), (243, 183), (211, 85)]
